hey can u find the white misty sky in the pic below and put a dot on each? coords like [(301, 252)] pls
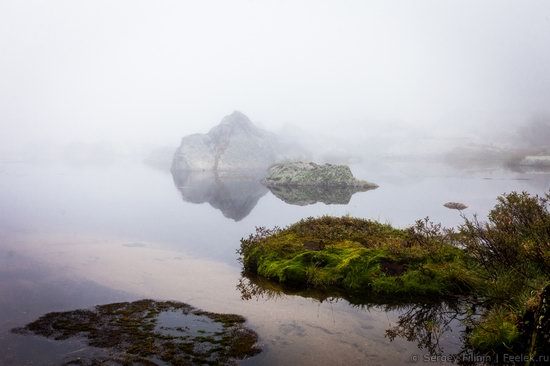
[(149, 72)]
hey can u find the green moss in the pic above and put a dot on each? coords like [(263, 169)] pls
[(497, 331), (357, 255)]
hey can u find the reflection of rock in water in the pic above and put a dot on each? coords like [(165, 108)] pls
[(308, 195), (234, 195)]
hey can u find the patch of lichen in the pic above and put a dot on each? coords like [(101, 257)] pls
[(357, 255), (129, 330)]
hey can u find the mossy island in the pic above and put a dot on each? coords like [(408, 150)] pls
[(358, 255), (501, 267), (148, 332)]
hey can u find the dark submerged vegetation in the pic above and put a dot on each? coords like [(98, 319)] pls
[(148, 332), (501, 267)]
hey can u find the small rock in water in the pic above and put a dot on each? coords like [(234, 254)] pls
[(455, 206), (301, 173)]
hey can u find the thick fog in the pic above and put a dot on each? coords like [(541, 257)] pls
[(395, 76)]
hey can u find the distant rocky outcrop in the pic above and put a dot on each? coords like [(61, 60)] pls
[(542, 161), (235, 144), (520, 159), (234, 195), (296, 174), (482, 156), (531, 164)]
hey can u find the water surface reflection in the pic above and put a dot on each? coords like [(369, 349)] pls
[(78, 236), (81, 272), (309, 195), (234, 194), (427, 322)]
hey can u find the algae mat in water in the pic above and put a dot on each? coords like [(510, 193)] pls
[(148, 332)]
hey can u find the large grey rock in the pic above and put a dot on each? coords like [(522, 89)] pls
[(311, 174), (235, 144)]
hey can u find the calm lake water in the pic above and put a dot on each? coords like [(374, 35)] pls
[(76, 236)]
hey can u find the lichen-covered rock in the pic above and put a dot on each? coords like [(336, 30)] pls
[(235, 144), (311, 174)]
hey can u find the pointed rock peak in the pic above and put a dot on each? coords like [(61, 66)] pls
[(237, 119)]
